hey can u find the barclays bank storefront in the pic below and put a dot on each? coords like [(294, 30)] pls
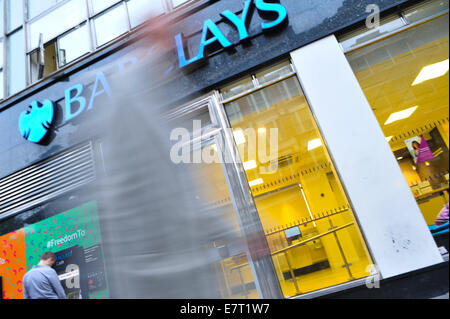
[(349, 87)]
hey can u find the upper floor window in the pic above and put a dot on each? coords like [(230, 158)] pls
[(53, 33), (36, 7)]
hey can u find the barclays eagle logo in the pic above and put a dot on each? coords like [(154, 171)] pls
[(35, 122)]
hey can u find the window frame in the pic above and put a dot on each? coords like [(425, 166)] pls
[(89, 20)]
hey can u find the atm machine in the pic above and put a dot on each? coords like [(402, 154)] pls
[(80, 270)]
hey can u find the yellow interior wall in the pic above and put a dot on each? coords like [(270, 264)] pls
[(443, 130), (431, 207), (410, 174)]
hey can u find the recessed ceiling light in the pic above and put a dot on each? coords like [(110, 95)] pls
[(432, 71), (399, 158), (397, 116), (256, 182), (314, 144), (239, 137), (250, 165)]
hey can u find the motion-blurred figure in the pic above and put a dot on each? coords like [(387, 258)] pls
[(154, 232)]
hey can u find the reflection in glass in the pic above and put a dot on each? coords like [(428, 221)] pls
[(295, 186), (99, 5), (16, 63), (233, 275), (141, 10), (237, 88), (425, 10), (405, 78), (274, 73), (110, 25), (15, 14), (73, 45), (1, 15), (1, 53), (177, 3), (57, 21), (2, 93), (35, 7), (363, 35)]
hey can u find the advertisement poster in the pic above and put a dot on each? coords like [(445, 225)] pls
[(419, 149), (12, 264), (74, 237)]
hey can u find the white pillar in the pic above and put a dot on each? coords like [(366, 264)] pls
[(388, 215)]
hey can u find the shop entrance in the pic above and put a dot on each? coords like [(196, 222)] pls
[(244, 266)]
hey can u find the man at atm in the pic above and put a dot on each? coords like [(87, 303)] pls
[(42, 282)]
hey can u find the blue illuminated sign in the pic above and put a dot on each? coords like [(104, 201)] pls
[(35, 123), (209, 27)]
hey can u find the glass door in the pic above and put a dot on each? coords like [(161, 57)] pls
[(231, 229)]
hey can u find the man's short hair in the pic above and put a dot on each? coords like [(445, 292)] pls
[(48, 255)]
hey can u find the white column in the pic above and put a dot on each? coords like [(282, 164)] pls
[(390, 220)]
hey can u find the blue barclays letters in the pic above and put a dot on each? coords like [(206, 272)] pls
[(35, 122), (239, 23)]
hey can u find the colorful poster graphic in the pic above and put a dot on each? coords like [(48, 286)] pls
[(74, 236), (12, 264), (419, 149)]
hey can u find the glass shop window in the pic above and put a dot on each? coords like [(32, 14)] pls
[(2, 93), (425, 10), (314, 238), (405, 79)]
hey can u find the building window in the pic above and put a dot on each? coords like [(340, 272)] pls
[(100, 5), (44, 62), (56, 25), (405, 79), (73, 45), (14, 14), (178, 3), (309, 224), (36, 7), (16, 62), (141, 10), (111, 24), (56, 22)]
